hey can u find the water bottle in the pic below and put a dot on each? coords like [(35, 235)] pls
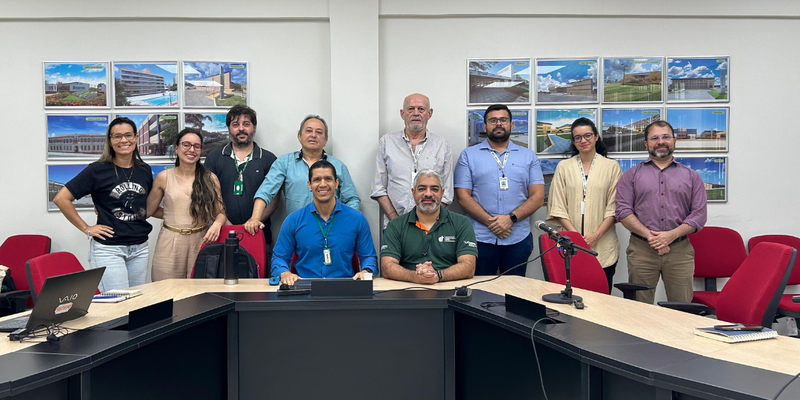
[(231, 247)]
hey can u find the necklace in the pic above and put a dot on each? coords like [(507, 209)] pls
[(123, 173)]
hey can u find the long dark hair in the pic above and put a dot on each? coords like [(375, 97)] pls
[(204, 193), (599, 146), (108, 151)]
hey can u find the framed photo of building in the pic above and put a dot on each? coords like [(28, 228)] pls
[(553, 128), (76, 136), (623, 128), (57, 177), (157, 132), (712, 170), (520, 134), (212, 125), (698, 79), (214, 84), (548, 170), (492, 81), (633, 80), (75, 84), (564, 80), (699, 129), (152, 85)]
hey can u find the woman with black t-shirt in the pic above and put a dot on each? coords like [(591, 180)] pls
[(119, 184)]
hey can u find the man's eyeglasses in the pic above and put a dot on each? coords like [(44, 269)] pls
[(188, 145), (654, 138), (118, 136), (495, 121), (586, 137)]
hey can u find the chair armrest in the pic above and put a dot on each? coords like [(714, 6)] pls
[(629, 289), (692, 308), (796, 299), (16, 294)]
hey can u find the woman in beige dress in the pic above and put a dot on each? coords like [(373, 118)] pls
[(582, 194), (193, 211)]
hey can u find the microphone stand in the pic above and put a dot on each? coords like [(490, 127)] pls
[(570, 249)]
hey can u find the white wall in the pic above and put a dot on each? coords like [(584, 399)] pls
[(353, 61)]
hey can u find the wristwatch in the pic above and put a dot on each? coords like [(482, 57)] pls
[(513, 217), (438, 272), (367, 270)]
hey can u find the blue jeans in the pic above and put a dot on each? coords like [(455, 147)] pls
[(126, 266), (492, 257)]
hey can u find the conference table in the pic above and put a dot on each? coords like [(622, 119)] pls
[(405, 342)]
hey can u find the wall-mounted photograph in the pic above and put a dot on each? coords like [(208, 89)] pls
[(553, 128), (156, 132), (712, 170), (520, 134), (214, 84), (627, 80), (699, 129), (71, 136), (212, 125), (156, 168), (494, 81), (75, 84), (696, 79), (623, 128), (145, 84), (548, 170), (566, 80), (57, 177)]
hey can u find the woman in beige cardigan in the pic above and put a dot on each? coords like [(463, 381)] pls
[(582, 194)]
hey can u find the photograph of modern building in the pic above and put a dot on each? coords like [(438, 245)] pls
[(623, 128), (212, 125), (695, 79), (553, 128), (75, 84), (209, 84), (499, 81), (699, 129), (75, 136), (520, 135), (712, 170), (156, 132), (548, 170), (145, 85), (57, 177), (632, 79), (566, 80)]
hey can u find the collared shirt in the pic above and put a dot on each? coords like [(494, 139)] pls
[(348, 232), (394, 166), (664, 199), (478, 170), (290, 173), (449, 238)]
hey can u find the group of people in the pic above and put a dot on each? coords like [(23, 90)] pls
[(498, 183)]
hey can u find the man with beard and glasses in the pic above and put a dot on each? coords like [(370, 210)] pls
[(241, 166), (428, 244), (403, 153), (661, 201), (500, 185)]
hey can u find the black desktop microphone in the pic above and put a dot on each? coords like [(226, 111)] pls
[(548, 229)]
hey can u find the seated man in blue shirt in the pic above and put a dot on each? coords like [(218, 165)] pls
[(324, 234)]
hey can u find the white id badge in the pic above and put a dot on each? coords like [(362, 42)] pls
[(583, 207), (326, 254), (504, 183)]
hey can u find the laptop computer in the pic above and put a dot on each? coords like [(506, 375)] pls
[(62, 298)]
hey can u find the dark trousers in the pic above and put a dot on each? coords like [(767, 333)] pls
[(610, 270), (493, 257)]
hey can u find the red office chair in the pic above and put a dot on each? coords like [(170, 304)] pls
[(53, 264), (254, 244), (718, 253), (752, 294), (786, 307), (14, 253), (356, 263), (585, 271)]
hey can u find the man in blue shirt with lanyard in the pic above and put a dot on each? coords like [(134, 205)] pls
[(324, 234), (500, 185)]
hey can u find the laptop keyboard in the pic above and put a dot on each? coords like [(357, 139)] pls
[(14, 324)]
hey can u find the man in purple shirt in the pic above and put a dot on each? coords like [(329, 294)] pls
[(661, 201)]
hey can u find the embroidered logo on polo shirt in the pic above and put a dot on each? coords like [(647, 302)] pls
[(447, 239), (470, 244), (384, 247)]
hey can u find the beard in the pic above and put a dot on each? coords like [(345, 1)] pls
[(499, 135), (241, 143), (428, 209), (415, 126), (661, 152)]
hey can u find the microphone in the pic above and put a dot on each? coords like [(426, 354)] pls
[(549, 229)]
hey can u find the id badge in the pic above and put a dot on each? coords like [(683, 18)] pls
[(413, 177), (326, 254), (504, 183), (237, 188)]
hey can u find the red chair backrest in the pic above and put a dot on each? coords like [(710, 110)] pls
[(789, 240), (16, 251), (356, 263), (718, 252), (752, 294), (585, 271), (53, 264), (254, 244)]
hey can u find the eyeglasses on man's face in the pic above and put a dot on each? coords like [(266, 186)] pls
[(189, 145), (495, 121), (655, 138), (585, 136), (118, 136)]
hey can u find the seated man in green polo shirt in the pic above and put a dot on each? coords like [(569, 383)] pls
[(429, 244)]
